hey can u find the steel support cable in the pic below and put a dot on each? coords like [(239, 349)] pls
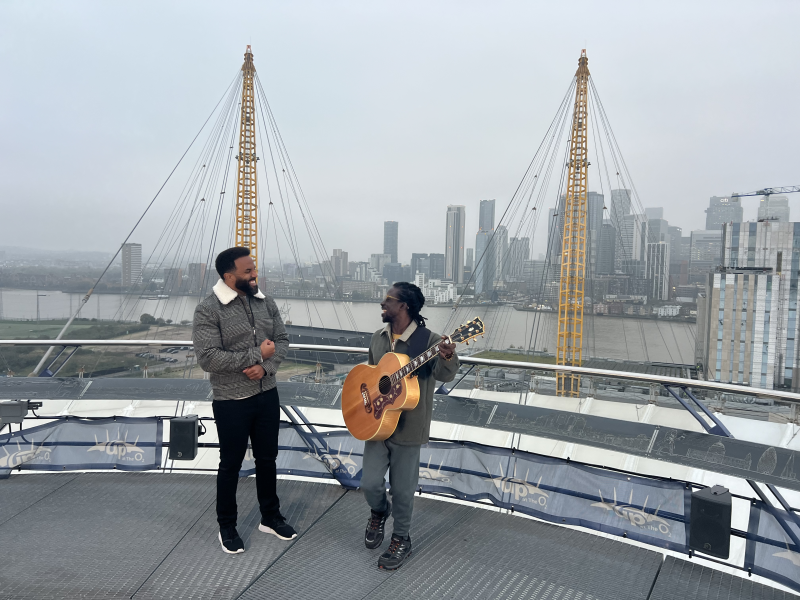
[(131, 299), (529, 231), (214, 157), (300, 195), (166, 231), (593, 100), (322, 262), (616, 145), (289, 230), (136, 225), (208, 150), (555, 241), (525, 224), (675, 338), (220, 203), (534, 336), (536, 212), (543, 159), (625, 336), (203, 154), (614, 151), (598, 152), (519, 186)]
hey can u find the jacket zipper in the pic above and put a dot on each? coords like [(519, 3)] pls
[(252, 318)]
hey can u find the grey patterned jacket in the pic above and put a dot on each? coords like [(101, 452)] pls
[(226, 342)]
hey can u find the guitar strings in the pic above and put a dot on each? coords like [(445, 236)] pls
[(458, 332)]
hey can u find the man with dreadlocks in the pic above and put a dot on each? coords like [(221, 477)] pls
[(405, 333)]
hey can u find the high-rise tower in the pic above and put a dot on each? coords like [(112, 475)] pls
[(573, 248), (246, 182), (454, 244), (390, 239)]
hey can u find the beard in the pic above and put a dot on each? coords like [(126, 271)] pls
[(243, 285)]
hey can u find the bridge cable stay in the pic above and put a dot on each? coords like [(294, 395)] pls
[(85, 299), (531, 183), (195, 225), (544, 178), (518, 219), (208, 178), (292, 184)]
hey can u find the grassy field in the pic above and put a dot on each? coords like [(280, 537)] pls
[(496, 355), (286, 370), (21, 360), (80, 329)]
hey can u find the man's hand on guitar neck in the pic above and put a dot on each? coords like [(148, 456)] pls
[(446, 349)]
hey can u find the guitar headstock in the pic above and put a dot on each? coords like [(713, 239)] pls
[(468, 331)]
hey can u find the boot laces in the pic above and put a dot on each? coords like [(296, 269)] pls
[(394, 545), (375, 521)]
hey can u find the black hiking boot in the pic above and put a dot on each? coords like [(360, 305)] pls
[(399, 550), (373, 536)]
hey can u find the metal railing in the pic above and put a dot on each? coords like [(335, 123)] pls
[(667, 382)]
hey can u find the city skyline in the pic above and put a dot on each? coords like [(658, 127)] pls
[(655, 231)]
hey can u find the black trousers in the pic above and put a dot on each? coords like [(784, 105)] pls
[(256, 418)]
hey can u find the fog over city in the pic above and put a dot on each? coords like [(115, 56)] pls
[(388, 111)]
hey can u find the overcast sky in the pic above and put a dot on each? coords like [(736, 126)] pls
[(389, 110)]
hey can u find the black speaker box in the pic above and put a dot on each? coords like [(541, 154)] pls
[(710, 525), (183, 433)]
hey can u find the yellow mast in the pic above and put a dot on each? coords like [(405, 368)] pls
[(246, 184), (573, 248)]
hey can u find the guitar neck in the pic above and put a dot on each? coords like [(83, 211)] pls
[(416, 363)]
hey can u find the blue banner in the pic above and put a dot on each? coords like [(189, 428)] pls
[(68, 443), (769, 551), (556, 490)]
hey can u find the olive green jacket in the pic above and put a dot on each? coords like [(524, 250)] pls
[(414, 427)]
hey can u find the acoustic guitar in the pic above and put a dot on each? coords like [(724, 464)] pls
[(374, 396)]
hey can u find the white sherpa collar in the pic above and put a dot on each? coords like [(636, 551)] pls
[(226, 295)]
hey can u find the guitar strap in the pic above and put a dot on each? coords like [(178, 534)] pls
[(417, 344)]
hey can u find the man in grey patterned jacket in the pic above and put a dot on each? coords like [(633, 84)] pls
[(239, 338)]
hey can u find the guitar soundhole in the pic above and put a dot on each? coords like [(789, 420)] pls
[(384, 385)]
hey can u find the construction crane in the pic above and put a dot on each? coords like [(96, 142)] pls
[(573, 246), (770, 191), (246, 180)]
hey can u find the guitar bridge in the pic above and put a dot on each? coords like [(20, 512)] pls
[(365, 396)]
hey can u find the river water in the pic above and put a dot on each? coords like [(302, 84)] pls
[(604, 337)]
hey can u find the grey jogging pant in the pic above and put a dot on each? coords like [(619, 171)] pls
[(403, 465)]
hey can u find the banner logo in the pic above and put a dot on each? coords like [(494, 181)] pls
[(637, 517), (792, 557), (121, 449), (336, 461), (15, 459), (433, 474), (521, 489)]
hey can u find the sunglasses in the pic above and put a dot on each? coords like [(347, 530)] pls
[(388, 297)]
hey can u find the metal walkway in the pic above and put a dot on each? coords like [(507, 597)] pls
[(131, 535)]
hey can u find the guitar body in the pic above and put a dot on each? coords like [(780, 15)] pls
[(371, 405)]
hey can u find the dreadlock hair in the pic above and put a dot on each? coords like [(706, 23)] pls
[(413, 298)]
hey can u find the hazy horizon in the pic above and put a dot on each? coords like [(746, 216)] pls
[(389, 112)]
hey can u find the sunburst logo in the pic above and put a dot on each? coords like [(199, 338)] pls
[(433, 474), (11, 460), (120, 448), (792, 557), (335, 461), (638, 517), (522, 490)]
